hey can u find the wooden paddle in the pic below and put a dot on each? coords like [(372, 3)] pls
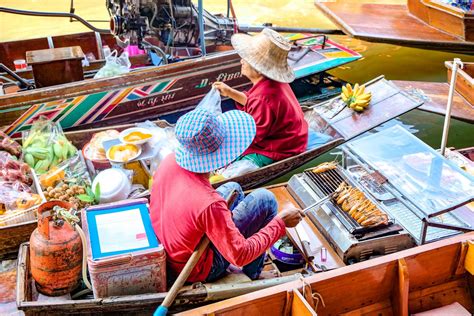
[(188, 268)]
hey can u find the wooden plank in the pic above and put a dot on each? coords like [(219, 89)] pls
[(400, 288), (377, 309), (300, 306), (464, 81), (437, 93), (389, 23)]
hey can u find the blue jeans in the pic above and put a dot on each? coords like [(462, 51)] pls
[(250, 214)]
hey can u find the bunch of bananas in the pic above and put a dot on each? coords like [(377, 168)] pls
[(356, 98), (41, 155)]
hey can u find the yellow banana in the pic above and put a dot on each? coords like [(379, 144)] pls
[(358, 108), (365, 96), (345, 93), (344, 97), (359, 91), (349, 88), (361, 102)]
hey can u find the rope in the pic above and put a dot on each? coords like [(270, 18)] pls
[(315, 296)]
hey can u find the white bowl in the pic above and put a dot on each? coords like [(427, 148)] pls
[(139, 151), (135, 129), (114, 185)]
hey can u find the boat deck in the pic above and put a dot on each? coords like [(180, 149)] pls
[(389, 23), (437, 92)]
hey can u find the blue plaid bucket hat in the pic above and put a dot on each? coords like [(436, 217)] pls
[(209, 141)]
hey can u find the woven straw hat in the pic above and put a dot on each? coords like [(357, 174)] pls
[(266, 52)]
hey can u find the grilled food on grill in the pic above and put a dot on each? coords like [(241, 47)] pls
[(354, 202), (325, 166)]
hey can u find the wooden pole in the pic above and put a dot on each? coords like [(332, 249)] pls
[(447, 120)]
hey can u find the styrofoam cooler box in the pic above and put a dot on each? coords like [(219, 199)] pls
[(124, 255)]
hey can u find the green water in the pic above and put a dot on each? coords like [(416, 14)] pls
[(402, 63)]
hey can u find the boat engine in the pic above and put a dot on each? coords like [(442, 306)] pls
[(172, 22)]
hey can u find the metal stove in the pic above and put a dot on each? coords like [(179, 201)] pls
[(351, 241)]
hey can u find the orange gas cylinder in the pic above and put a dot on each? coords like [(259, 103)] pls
[(55, 252)]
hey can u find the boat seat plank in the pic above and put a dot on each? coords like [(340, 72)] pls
[(389, 23), (401, 288), (299, 306), (438, 95)]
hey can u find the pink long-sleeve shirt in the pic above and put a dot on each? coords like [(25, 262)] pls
[(184, 207)]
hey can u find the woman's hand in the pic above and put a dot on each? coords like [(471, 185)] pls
[(291, 216), (223, 89)]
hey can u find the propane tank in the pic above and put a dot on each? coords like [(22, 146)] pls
[(55, 252)]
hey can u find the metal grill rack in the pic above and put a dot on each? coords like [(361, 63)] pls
[(326, 183)]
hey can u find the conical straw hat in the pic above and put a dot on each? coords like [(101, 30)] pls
[(266, 52)]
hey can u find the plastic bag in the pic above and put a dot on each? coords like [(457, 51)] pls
[(238, 168), (114, 65), (45, 146), (9, 145), (211, 102), (12, 170)]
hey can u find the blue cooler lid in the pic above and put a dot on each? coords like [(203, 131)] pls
[(120, 228)]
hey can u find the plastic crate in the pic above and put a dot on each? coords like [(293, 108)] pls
[(130, 273)]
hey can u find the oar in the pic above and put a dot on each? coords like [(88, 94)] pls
[(162, 310)]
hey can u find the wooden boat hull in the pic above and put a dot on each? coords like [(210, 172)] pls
[(403, 283), (464, 81), (149, 93), (143, 304), (437, 94), (343, 127), (393, 24)]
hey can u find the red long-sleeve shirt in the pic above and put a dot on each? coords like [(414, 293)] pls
[(282, 131), (184, 206)]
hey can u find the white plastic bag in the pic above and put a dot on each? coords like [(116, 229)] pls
[(114, 65), (211, 102), (238, 168)]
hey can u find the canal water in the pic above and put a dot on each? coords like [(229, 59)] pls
[(395, 62)]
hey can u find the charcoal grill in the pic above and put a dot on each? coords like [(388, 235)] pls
[(352, 242)]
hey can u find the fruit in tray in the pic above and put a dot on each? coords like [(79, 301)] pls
[(41, 152), (356, 97), (68, 193), (136, 136), (356, 204), (52, 177), (123, 152), (28, 201)]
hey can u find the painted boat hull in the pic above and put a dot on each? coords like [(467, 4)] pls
[(149, 93)]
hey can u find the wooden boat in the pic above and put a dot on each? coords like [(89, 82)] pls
[(148, 93), (435, 94), (376, 241), (426, 24), (405, 283)]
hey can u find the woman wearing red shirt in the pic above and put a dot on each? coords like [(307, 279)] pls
[(282, 131)]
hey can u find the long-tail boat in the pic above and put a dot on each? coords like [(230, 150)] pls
[(154, 91), (437, 277), (429, 24), (435, 94)]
